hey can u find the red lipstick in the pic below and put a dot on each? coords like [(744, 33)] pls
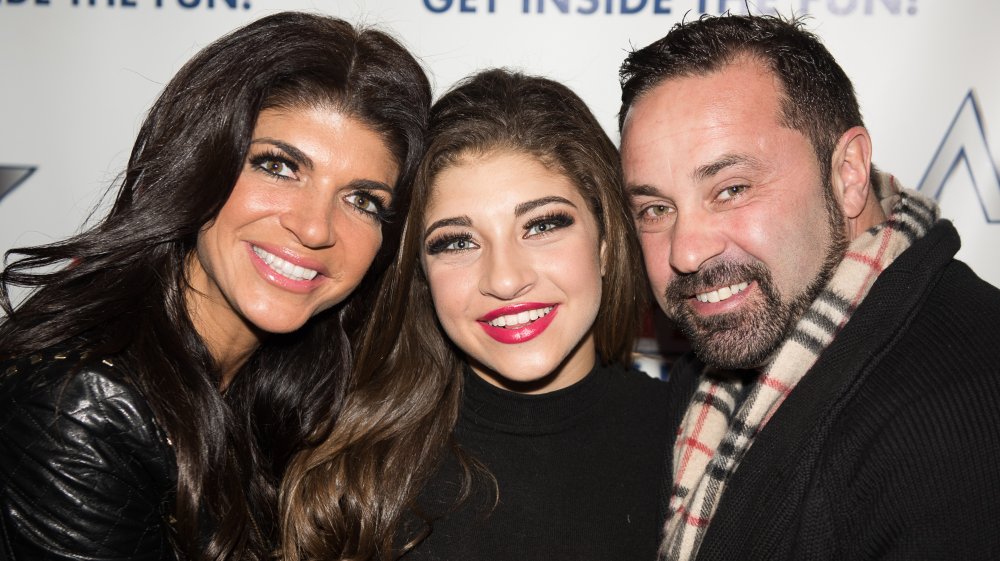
[(522, 333)]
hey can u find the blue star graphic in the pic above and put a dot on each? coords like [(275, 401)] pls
[(12, 176)]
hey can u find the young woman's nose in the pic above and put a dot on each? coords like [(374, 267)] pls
[(508, 272)]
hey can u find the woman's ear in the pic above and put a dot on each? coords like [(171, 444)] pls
[(850, 171)]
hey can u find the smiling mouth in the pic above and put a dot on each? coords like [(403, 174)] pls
[(720, 294), (284, 268), (515, 321)]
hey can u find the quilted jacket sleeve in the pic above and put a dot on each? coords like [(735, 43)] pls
[(86, 472)]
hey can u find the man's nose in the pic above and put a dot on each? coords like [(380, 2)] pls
[(694, 241)]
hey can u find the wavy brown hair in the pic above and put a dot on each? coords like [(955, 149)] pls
[(347, 497), (117, 289)]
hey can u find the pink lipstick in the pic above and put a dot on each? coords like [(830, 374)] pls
[(513, 324), (294, 268)]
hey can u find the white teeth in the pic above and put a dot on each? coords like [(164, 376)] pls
[(514, 320), (723, 293), (284, 268)]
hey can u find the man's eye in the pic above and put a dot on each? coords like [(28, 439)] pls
[(732, 191), (654, 211)]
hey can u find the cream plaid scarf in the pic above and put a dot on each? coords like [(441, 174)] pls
[(713, 438)]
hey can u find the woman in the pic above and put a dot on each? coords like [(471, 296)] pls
[(173, 357), (520, 243)]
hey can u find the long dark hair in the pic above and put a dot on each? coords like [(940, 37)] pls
[(345, 499), (117, 289)]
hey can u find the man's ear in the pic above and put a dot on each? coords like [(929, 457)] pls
[(850, 172)]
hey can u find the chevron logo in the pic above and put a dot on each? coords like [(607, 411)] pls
[(11, 177), (965, 143)]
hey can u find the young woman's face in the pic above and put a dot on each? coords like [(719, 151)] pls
[(299, 230), (513, 257)]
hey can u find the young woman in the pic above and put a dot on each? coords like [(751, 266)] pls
[(511, 426), (173, 357)]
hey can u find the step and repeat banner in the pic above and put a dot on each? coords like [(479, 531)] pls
[(76, 77)]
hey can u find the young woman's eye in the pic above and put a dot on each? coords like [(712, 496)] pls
[(547, 224), (451, 244), (275, 165), (366, 202), (732, 192)]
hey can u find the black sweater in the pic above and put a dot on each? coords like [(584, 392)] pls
[(889, 447), (577, 472)]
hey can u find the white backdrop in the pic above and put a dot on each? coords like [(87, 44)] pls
[(76, 77)]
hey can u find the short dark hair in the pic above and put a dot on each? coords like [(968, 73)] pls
[(819, 99)]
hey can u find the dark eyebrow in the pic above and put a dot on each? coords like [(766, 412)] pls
[(643, 190), (456, 221), (529, 206), (707, 171), (519, 210), (296, 154), (370, 185)]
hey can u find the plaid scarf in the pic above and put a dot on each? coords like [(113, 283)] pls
[(714, 434)]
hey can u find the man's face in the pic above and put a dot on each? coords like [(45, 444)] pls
[(731, 210)]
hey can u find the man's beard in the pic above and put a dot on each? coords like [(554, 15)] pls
[(749, 337)]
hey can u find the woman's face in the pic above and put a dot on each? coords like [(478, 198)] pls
[(299, 230), (513, 258)]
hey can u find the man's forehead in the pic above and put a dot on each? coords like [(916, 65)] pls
[(700, 119), (731, 82)]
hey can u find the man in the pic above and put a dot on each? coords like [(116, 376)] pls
[(845, 398)]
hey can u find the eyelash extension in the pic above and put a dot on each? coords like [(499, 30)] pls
[(440, 244), (383, 212), (269, 155), (557, 219)]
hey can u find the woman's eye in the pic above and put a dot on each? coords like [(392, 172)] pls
[(546, 224), (541, 228), (458, 245), (732, 192), (451, 244), (365, 202), (277, 168)]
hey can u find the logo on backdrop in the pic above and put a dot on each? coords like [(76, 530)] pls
[(631, 7), (132, 4), (12, 176), (965, 143)]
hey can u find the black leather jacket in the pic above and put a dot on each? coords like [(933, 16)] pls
[(87, 473)]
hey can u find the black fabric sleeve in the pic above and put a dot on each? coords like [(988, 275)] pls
[(928, 487), (86, 472)]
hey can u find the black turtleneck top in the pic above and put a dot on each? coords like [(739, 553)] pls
[(578, 472)]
